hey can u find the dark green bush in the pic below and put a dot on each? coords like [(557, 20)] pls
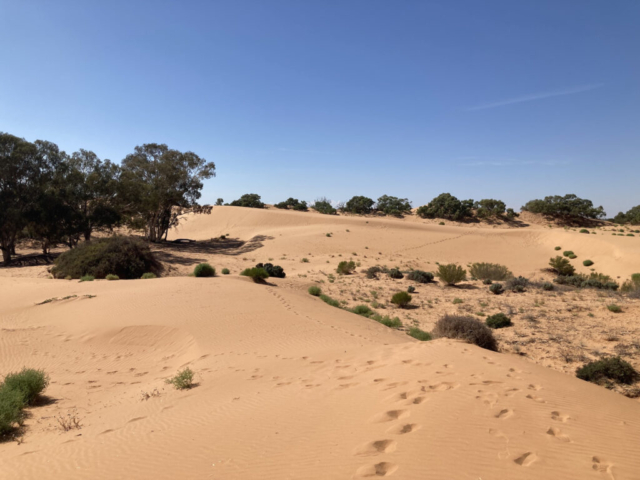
[(451, 273), (126, 257), (558, 248), (323, 205), (329, 301), (587, 263), (562, 266), (395, 273), (464, 328), (584, 230), (148, 276), (411, 289), (419, 276), (418, 334), (258, 275), (614, 308), (489, 207), (393, 205), (87, 278), (594, 280), (567, 253), (249, 200), (112, 277), (548, 286), (569, 207), (183, 380), (346, 268), (487, 281), (315, 291), (204, 270), (499, 320), (363, 310), (225, 271), (490, 271), (517, 284), (387, 321), (273, 270), (11, 413), (613, 368), (360, 205), (446, 206), (496, 288), (401, 299), (372, 272), (294, 204), (29, 382)]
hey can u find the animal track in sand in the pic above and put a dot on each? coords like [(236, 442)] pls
[(560, 417), (536, 399), (602, 466), (534, 387), (136, 419), (444, 386), (382, 469), (555, 432), (376, 448), (504, 414), (404, 429), (390, 415), (526, 459)]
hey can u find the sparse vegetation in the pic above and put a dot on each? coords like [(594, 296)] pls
[(411, 289), (225, 271), (594, 280), (362, 310), (401, 299), (562, 266), (329, 301), (346, 267), (496, 288), (148, 276), (182, 380), (499, 320), (464, 328), (258, 275), (587, 263), (372, 272), (315, 291), (112, 277), (418, 334), (490, 271), (517, 284), (273, 270), (293, 204), (323, 205), (395, 273), (613, 368), (614, 308), (16, 392), (419, 276), (204, 270), (87, 278), (451, 274)]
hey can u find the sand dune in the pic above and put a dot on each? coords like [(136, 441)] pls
[(289, 387)]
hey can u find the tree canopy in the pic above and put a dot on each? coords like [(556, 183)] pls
[(568, 207), (448, 207), (393, 205), (249, 200), (632, 216), (360, 205)]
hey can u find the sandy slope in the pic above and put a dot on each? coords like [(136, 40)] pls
[(290, 387)]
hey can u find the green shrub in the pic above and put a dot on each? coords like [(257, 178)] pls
[(411, 289), (567, 253), (363, 310), (393, 205), (346, 268), (558, 248), (273, 270), (359, 205), (587, 263), (126, 257), (584, 230), (29, 382), (112, 277), (372, 272), (496, 288), (315, 291), (487, 281), (11, 413), (225, 271), (548, 286), (573, 257), (401, 299), (148, 276), (420, 277), (249, 200), (418, 334), (183, 379), (614, 308), (613, 368), (451, 273), (204, 270), (87, 278), (448, 207), (294, 204), (489, 207), (457, 301), (323, 205), (395, 273), (594, 280), (387, 321), (464, 328), (517, 284), (562, 266), (258, 275), (490, 271), (329, 301), (569, 207), (499, 320)]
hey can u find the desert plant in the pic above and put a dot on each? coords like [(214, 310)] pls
[(457, 301), (594, 280), (182, 380), (496, 288), (29, 382), (363, 310), (490, 271), (249, 200), (314, 290), (464, 328), (323, 205), (487, 281), (489, 207), (372, 272), (112, 277), (411, 289), (258, 275), (567, 253), (387, 321), (11, 413), (451, 273), (148, 275), (126, 257), (401, 299), (573, 256), (225, 271), (548, 286), (418, 334), (448, 207), (499, 320), (584, 230), (562, 266), (393, 205), (517, 284), (558, 248), (329, 301), (569, 207), (360, 205), (613, 368), (395, 273), (294, 204), (87, 278), (419, 276), (273, 270), (614, 308), (346, 267), (204, 270), (587, 263)]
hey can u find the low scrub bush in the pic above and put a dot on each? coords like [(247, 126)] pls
[(548, 286), (359, 205), (401, 299), (258, 275), (273, 270), (204, 270), (293, 204), (249, 200), (315, 291), (487, 281), (561, 266), (614, 308), (490, 271), (112, 277), (558, 248), (584, 230), (418, 334), (29, 382), (632, 286), (395, 273), (323, 205), (11, 413), (573, 256), (393, 205), (496, 288), (363, 310), (411, 289), (87, 278), (419, 276), (387, 321), (587, 263), (448, 207), (594, 280), (613, 368), (126, 257), (567, 253), (372, 272), (499, 320), (346, 268), (464, 328), (451, 273), (517, 284), (225, 271), (329, 301), (148, 276), (183, 379)]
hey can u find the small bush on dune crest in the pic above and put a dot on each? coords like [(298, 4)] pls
[(387, 321), (204, 270), (418, 334), (112, 277), (363, 310), (87, 278), (258, 275), (183, 379), (420, 276), (451, 273), (490, 271), (561, 266), (346, 268), (465, 328), (401, 299), (148, 276), (273, 270), (499, 320), (225, 271), (323, 205), (613, 368), (315, 291), (329, 301)]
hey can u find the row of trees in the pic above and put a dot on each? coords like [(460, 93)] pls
[(632, 216), (55, 198)]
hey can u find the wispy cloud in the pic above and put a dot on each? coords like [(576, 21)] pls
[(537, 96)]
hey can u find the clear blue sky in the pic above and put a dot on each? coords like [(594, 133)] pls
[(306, 98)]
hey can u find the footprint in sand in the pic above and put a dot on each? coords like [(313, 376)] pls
[(535, 387), (382, 469), (526, 459), (555, 432), (536, 399), (444, 386), (604, 467), (376, 448), (504, 414), (560, 417), (404, 429), (390, 415)]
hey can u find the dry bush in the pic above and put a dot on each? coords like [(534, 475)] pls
[(464, 328), (490, 271)]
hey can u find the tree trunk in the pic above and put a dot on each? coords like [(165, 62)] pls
[(87, 235), (6, 255)]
